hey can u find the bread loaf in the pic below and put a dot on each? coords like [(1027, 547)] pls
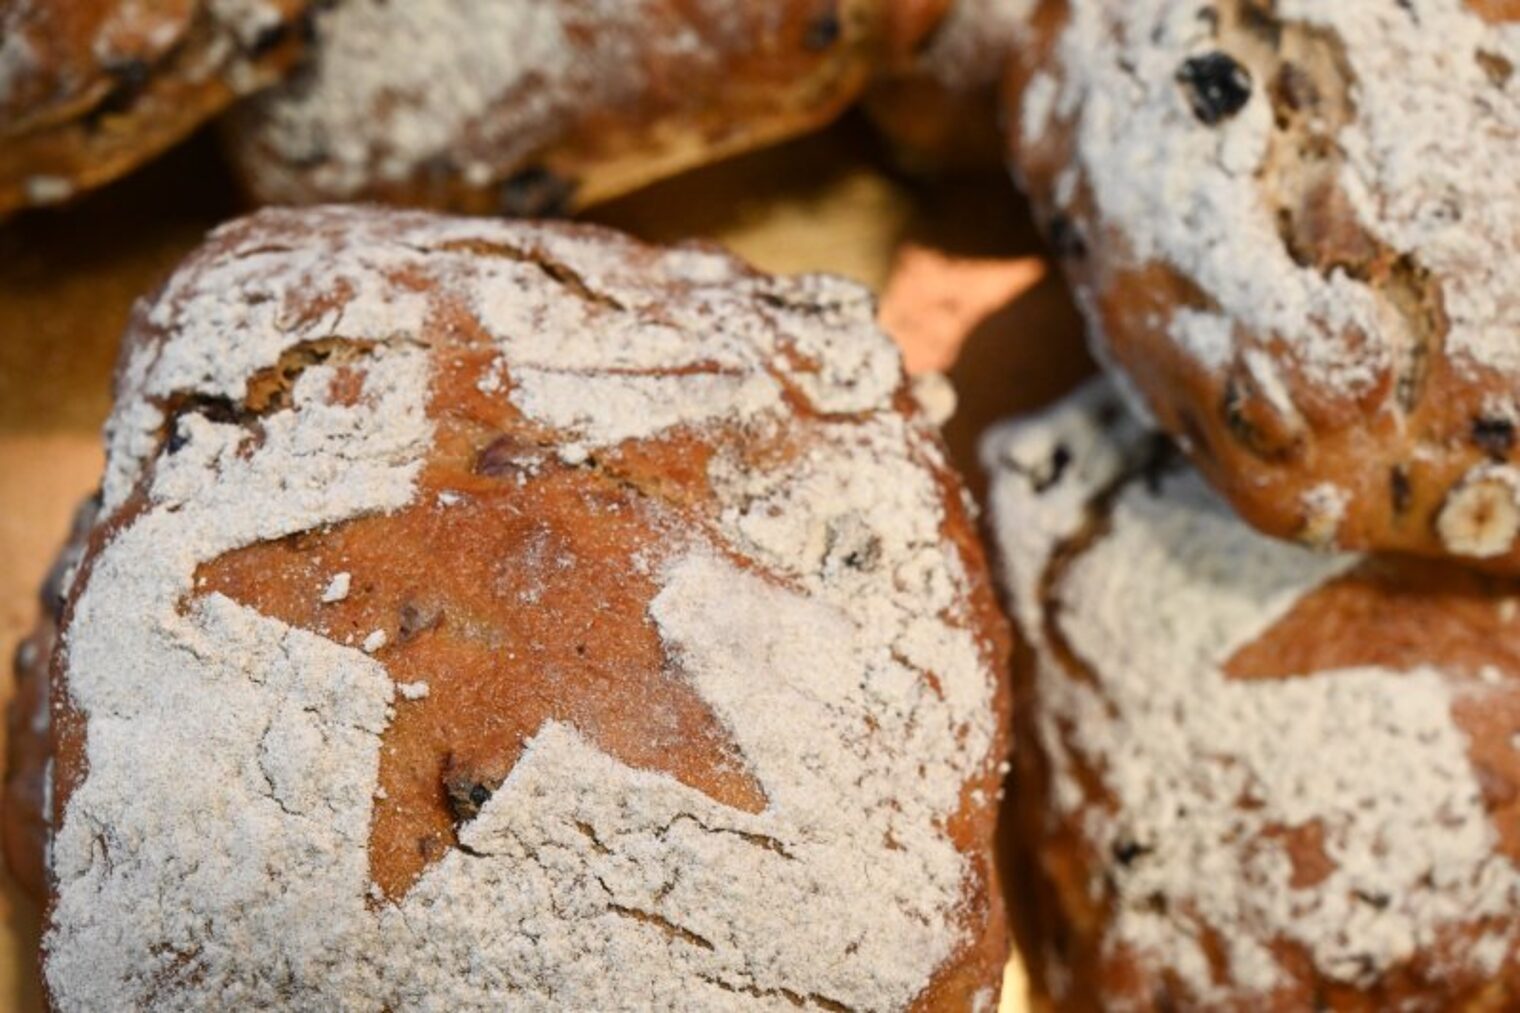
[(484, 614), (1296, 232), (537, 108), (1249, 776), (92, 88)]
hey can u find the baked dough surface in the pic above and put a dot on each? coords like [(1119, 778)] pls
[(1293, 227), (487, 613), (422, 103), (90, 89), (1249, 776)]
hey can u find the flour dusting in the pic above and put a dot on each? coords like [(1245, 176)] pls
[(214, 854), (1205, 771)]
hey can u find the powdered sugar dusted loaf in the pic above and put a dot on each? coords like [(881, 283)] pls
[(486, 614), (532, 107), (91, 88), (1251, 776), (1294, 228)]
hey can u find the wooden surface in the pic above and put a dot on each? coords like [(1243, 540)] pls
[(965, 289)]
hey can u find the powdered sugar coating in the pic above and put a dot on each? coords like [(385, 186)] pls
[(241, 880), (1203, 772)]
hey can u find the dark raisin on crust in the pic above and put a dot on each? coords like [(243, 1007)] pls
[(1060, 460), (1494, 436), (822, 32), (1127, 852), (467, 793), (536, 191), (1376, 900), (130, 77), (1217, 86), (1162, 457), (1065, 237), (1110, 414), (268, 39), (1399, 489)]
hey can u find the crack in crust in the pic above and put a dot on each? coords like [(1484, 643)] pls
[(557, 270), (494, 498)]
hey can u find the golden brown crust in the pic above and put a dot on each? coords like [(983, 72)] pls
[(1391, 428), (599, 100), (520, 583), (89, 89)]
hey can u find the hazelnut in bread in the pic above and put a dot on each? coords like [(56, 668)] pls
[(488, 615), (90, 89), (545, 107), (1295, 229), (1249, 776)]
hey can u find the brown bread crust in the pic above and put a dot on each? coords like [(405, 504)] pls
[(90, 89), (609, 97), (25, 811), (1389, 428), (1366, 635), (517, 539), (941, 109)]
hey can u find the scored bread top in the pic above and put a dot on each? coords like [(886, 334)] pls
[(381, 484), (1298, 225), (1272, 759)]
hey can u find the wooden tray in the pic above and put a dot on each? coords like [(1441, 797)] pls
[(964, 288)]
